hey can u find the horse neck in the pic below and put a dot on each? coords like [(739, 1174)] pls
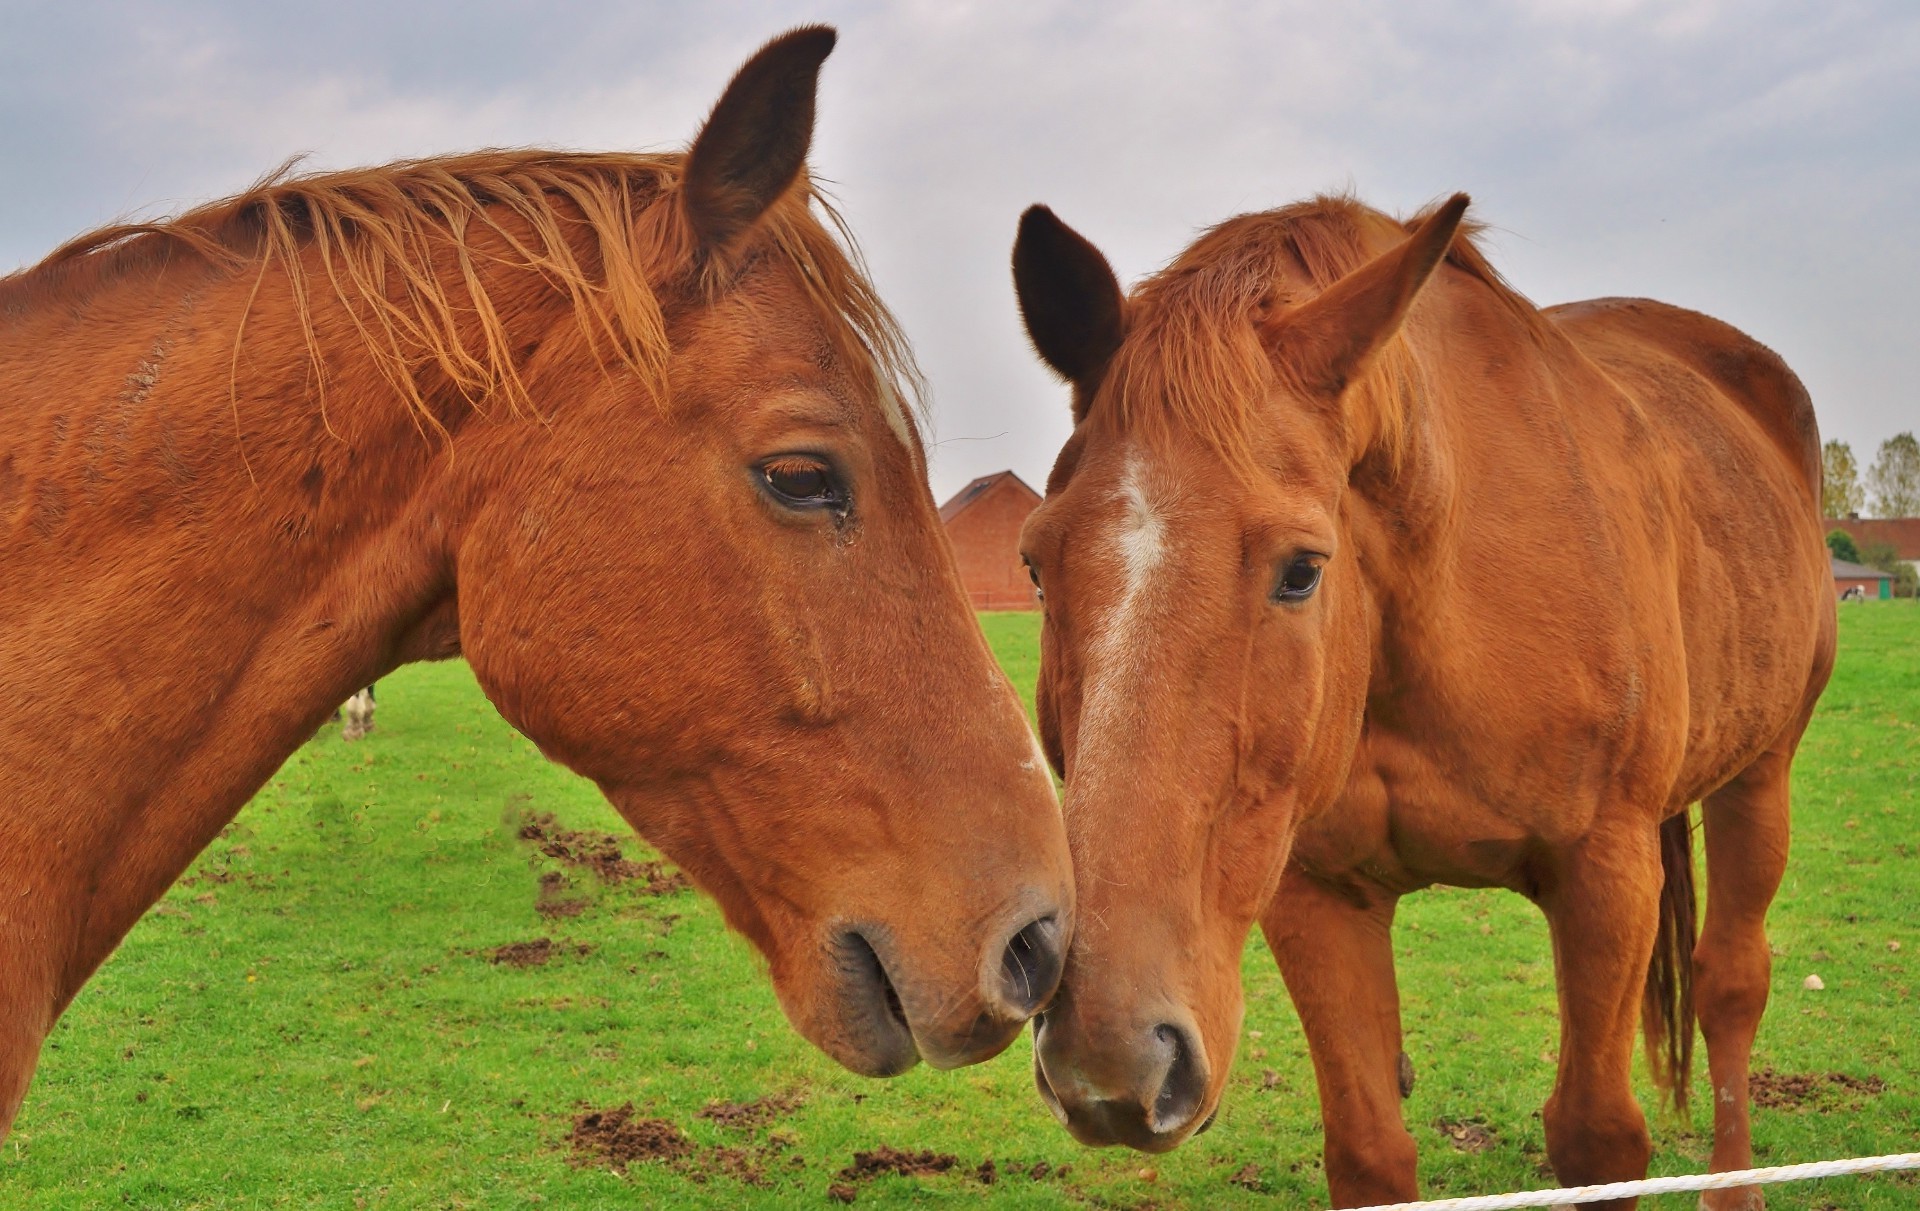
[(1421, 519), (188, 512), (197, 565)]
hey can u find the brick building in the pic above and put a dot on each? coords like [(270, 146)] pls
[(983, 521), (1871, 582)]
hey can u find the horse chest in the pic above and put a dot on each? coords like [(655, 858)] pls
[(1419, 812)]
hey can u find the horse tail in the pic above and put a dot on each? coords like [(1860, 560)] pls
[(1666, 1009)]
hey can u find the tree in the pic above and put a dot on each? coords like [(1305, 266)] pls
[(1840, 494), (1880, 555), (1895, 477), (1841, 544), (1883, 555)]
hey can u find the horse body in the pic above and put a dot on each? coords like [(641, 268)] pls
[(1580, 611), (624, 431), (1564, 578)]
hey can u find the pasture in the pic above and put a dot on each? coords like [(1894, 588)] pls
[(322, 1014)]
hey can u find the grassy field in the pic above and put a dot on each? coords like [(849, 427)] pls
[(313, 1017)]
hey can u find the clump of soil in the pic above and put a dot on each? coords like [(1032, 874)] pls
[(1803, 1090), (522, 954), (600, 853), (551, 900), (618, 1138), (1466, 1135), (534, 953), (736, 1163), (1247, 1177), (748, 1115), (884, 1160)]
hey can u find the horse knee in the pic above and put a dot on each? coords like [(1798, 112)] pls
[(1590, 1144), (1730, 987), (1379, 1169)]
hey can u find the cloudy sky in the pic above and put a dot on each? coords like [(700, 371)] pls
[(1756, 160)]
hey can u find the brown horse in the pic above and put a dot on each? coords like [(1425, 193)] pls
[(628, 433), (1361, 575)]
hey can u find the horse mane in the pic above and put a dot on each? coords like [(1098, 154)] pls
[(603, 228), (1193, 362)]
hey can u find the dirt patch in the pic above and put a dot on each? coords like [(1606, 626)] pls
[(1811, 1090), (1466, 1135), (618, 1139), (884, 1160), (522, 954), (552, 900), (1248, 1177), (534, 953), (742, 1165), (600, 853), (747, 1116)]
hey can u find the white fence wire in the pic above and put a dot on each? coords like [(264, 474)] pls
[(1662, 1185)]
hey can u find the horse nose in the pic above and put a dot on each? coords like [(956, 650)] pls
[(1029, 968), (1151, 1094)]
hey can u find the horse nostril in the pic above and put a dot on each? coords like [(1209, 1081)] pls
[(1030, 966), (1184, 1085), (862, 962)]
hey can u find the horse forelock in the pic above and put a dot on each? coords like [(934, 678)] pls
[(602, 228), (1192, 363)]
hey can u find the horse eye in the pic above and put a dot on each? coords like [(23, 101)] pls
[(1033, 574), (801, 481), (1299, 579)]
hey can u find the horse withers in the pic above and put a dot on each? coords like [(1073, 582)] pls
[(1361, 574), (630, 433)]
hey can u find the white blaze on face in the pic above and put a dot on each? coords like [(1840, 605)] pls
[(1141, 537), (1117, 671)]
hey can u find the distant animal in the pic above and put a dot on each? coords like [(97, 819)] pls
[(630, 432), (357, 713), (1853, 593), (1289, 676)]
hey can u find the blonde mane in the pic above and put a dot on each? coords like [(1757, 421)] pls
[(602, 228), (1193, 362)]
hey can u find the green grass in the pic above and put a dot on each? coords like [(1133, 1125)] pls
[(310, 1019)]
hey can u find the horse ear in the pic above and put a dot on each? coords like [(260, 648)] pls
[(754, 144), (1330, 339), (1069, 298)]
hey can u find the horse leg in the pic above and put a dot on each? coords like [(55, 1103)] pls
[(359, 712), (1336, 957), (35, 939), (24, 1022), (1602, 909), (1746, 833)]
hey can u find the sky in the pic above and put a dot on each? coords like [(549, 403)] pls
[(1758, 161)]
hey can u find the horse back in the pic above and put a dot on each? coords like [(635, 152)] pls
[(1736, 445), (1744, 371)]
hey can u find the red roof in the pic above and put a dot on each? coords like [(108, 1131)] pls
[(978, 488), (1901, 533)]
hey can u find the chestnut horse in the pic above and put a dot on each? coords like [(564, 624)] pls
[(1361, 574), (628, 433)]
